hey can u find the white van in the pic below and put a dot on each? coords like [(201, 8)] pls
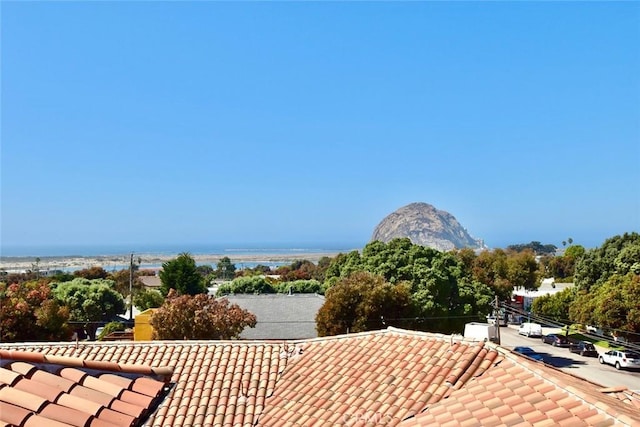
[(480, 331), (530, 329)]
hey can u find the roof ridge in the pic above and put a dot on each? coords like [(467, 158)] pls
[(78, 362), (279, 294), (390, 330), (156, 343)]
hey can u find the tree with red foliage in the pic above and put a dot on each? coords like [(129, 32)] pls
[(29, 312), (199, 317)]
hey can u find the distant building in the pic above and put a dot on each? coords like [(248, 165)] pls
[(150, 282), (280, 316), (548, 286)]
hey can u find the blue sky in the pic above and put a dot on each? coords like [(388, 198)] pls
[(307, 123)]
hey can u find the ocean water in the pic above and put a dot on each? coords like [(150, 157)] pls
[(118, 255), (174, 249)]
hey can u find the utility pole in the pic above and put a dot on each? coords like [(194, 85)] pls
[(131, 288), (496, 316)]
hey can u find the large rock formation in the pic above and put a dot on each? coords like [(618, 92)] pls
[(427, 226)]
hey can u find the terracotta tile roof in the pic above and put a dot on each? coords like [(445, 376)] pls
[(213, 382), (379, 377), (390, 377), (518, 391), (50, 390)]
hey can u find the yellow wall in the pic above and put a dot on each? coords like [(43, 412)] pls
[(143, 330)]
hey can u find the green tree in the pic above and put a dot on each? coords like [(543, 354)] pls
[(522, 270), (443, 294), (247, 285), (29, 312), (536, 247), (321, 268), (344, 264), (199, 317), (91, 273), (300, 287), (555, 306), (89, 301), (446, 299), (225, 269), (491, 268), (109, 328), (258, 270), (467, 256), (62, 276), (574, 251), (617, 255), (360, 302), (148, 298), (562, 267), (122, 282), (182, 275), (610, 305), (205, 270)]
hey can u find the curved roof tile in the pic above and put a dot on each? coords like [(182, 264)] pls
[(390, 377)]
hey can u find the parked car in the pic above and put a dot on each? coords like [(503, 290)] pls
[(529, 352), (556, 340), (491, 319), (584, 348), (621, 359), (530, 329)]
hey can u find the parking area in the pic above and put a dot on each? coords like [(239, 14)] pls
[(560, 357)]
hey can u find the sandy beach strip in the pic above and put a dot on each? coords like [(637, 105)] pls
[(105, 261)]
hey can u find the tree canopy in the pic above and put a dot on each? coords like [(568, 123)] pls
[(199, 317), (89, 301), (613, 304), (247, 285), (362, 301), (443, 295), (555, 306), (225, 269), (536, 247), (182, 275), (91, 273), (264, 285), (122, 281), (148, 298), (617, 255), (29, 312)]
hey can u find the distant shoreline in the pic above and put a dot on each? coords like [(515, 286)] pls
[(11, 263)]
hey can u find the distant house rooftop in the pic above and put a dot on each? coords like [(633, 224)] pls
[(547, 287), (280, 316), (151, 282)]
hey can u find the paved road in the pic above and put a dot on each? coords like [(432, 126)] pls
[(585, 367)]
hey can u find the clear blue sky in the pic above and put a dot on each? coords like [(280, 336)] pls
[(287, 122)]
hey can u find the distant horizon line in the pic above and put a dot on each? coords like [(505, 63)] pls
[(87, 249), (195, 248)]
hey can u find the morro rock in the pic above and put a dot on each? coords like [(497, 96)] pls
[(425, 225)]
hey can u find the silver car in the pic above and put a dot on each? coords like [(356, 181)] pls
[(621, 359)]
